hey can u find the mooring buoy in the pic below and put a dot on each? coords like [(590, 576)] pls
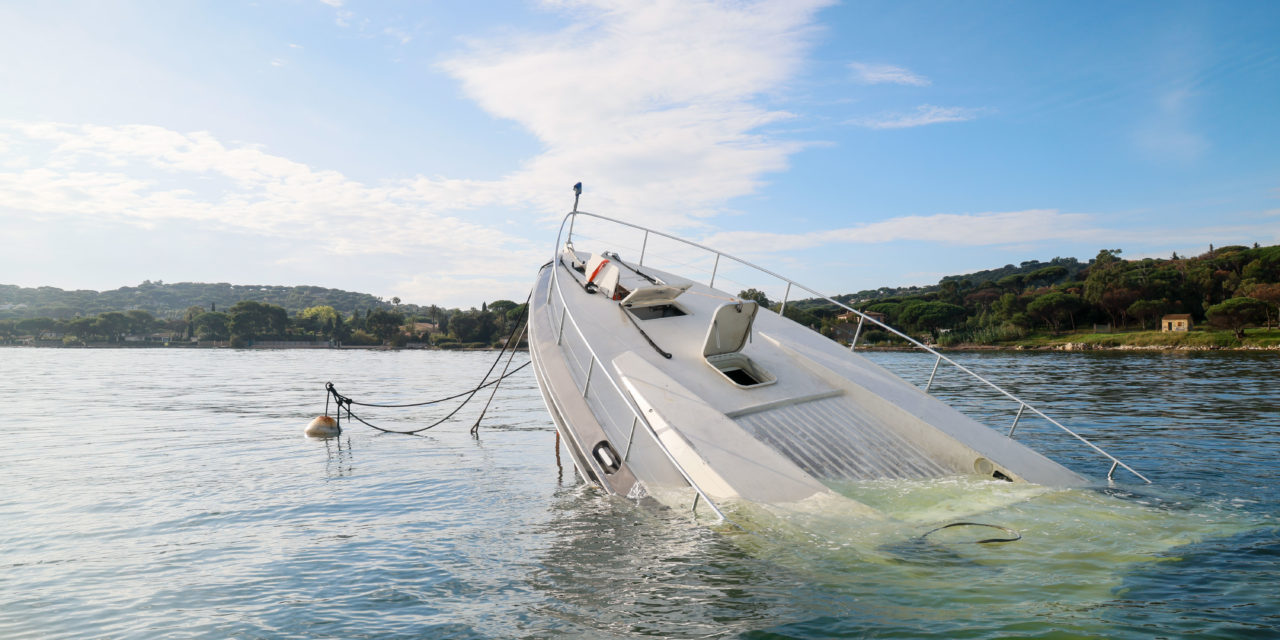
[(323, 427)]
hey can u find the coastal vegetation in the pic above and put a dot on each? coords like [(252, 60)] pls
[(249, 322), (1106, 302), (1230, 294)]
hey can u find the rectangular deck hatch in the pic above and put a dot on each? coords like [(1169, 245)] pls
[(728, 334)]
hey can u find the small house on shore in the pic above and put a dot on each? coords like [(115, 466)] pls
[(850, 316), (1176, 322)]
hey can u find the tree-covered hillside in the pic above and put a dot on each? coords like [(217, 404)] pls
[(1230, 287), (168, 300)]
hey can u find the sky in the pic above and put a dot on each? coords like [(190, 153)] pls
[(427, 150)]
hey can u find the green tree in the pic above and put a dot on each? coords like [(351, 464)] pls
[(1012, 283), (501, 307), (251, 319), (757, 295), (1269, 293), (1115, 302), (384, 324), (140, 322), (36, 326), (112, 325), (1047, 275), (931, 316), (1147, 310), (189, 317), (889, 309), (212, 325), (83, 328), (465, 326), (1236, 314), (1055, 307), (322, 320), (1104, 274)]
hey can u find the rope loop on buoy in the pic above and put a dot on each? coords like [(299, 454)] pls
[(345, 402)]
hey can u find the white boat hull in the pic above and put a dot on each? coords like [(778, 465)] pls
[(682, 428)]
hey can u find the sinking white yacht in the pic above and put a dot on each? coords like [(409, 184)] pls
[(666, 387)]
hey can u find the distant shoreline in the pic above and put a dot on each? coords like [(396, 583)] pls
[(1074, 347), (273, 347)]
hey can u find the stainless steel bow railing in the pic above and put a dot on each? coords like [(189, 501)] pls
[(1023, 406), (595, 364)]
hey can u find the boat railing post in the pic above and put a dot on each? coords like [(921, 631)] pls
[(714, 268), (591, 366), (563, 311), (857, 332), (696, 495), (573, 217), (1112, 471), (785, 296), (631, 438), (934, 373), (1021, 407), (644, 245)]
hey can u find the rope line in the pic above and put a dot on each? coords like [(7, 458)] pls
[(1014, 535), (329, 385), (346, 402), (475, 428)]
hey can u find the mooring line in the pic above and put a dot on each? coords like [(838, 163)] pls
[(342, 400)]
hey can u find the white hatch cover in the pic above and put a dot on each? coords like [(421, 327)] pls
[(730, 328), (655, 295)]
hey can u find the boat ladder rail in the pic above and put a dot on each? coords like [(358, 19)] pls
[(1022, 405)]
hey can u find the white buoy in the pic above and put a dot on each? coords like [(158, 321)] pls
[(323, 427)]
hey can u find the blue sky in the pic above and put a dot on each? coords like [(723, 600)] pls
[(426, 150)]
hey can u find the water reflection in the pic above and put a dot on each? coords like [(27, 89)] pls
[(339, 458), (613, 568)]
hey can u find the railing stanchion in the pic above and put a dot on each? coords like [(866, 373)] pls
[(630, 438), (1021, 407), (714, 269), (934, 373), (856, 333), (783, 311), (696, 495), (1112, 470), (644, 245)]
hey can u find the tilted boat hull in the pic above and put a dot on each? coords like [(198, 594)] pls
[(665, 387)]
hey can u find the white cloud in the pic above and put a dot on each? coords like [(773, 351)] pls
[(868, 73), (924, 114), (655, 107), (652, 106), (143, 174), (332, 3), (399, 35)]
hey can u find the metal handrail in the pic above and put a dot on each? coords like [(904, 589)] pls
[(862, 317), (637, 414)]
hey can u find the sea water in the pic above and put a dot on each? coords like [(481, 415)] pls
[(170, 493)]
